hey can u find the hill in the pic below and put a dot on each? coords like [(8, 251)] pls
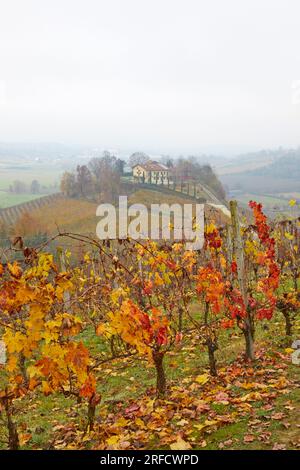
[(271, 177), (284, 167), (78, 215)]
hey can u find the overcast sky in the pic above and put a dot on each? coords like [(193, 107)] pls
[(166, 75)]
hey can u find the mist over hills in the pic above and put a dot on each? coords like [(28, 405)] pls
[(284, 167), (264, 171), (269, 172), (221, 157)]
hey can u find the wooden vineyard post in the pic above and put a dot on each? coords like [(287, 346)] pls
[(62, 264), (238, 251), (229, 247)]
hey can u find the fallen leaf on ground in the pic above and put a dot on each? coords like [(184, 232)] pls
[(180, 444)]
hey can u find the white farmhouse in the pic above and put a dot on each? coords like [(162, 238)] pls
[(151, 172)]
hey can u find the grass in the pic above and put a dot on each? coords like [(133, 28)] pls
[(278, 431), (10, 199)]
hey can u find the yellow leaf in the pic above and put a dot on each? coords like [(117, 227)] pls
[(252, 396), (210, 422), (150, 405), (289, 350), (180, 444), (32, 371), (14, 269), (12, 364), (46, 388), (121, 422), (112, 441), (202, 379), (289, 236), (206, 423), (248, 385), (199, 426), (182, 422), (140, 423), (223, 261), (158, 280)]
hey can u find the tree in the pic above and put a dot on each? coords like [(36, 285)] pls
[(168, 161), (252, 294), (190, 169), (40, 337), (95, 166), (101, 178), (211, 289), (206, 175), (35, 187), (68, 184), (138, 158), (146, 332), (288, 248), (141, 280), (18, 187), (120, 166), (83, 180), (106, 172)]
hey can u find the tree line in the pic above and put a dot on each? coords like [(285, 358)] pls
[(20, 187), (100, 178)]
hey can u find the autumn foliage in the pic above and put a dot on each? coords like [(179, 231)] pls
[(138, 301)]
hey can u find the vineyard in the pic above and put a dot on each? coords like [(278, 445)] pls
[(48, 214), (142, 345), (10, 215)]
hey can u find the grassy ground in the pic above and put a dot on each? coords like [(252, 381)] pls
[(10, 199), (270, 419)]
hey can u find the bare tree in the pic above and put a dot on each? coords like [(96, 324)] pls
[(84, 180), (138, 157), (106, 172)]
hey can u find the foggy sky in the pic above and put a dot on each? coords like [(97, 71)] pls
[(170, 75)]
